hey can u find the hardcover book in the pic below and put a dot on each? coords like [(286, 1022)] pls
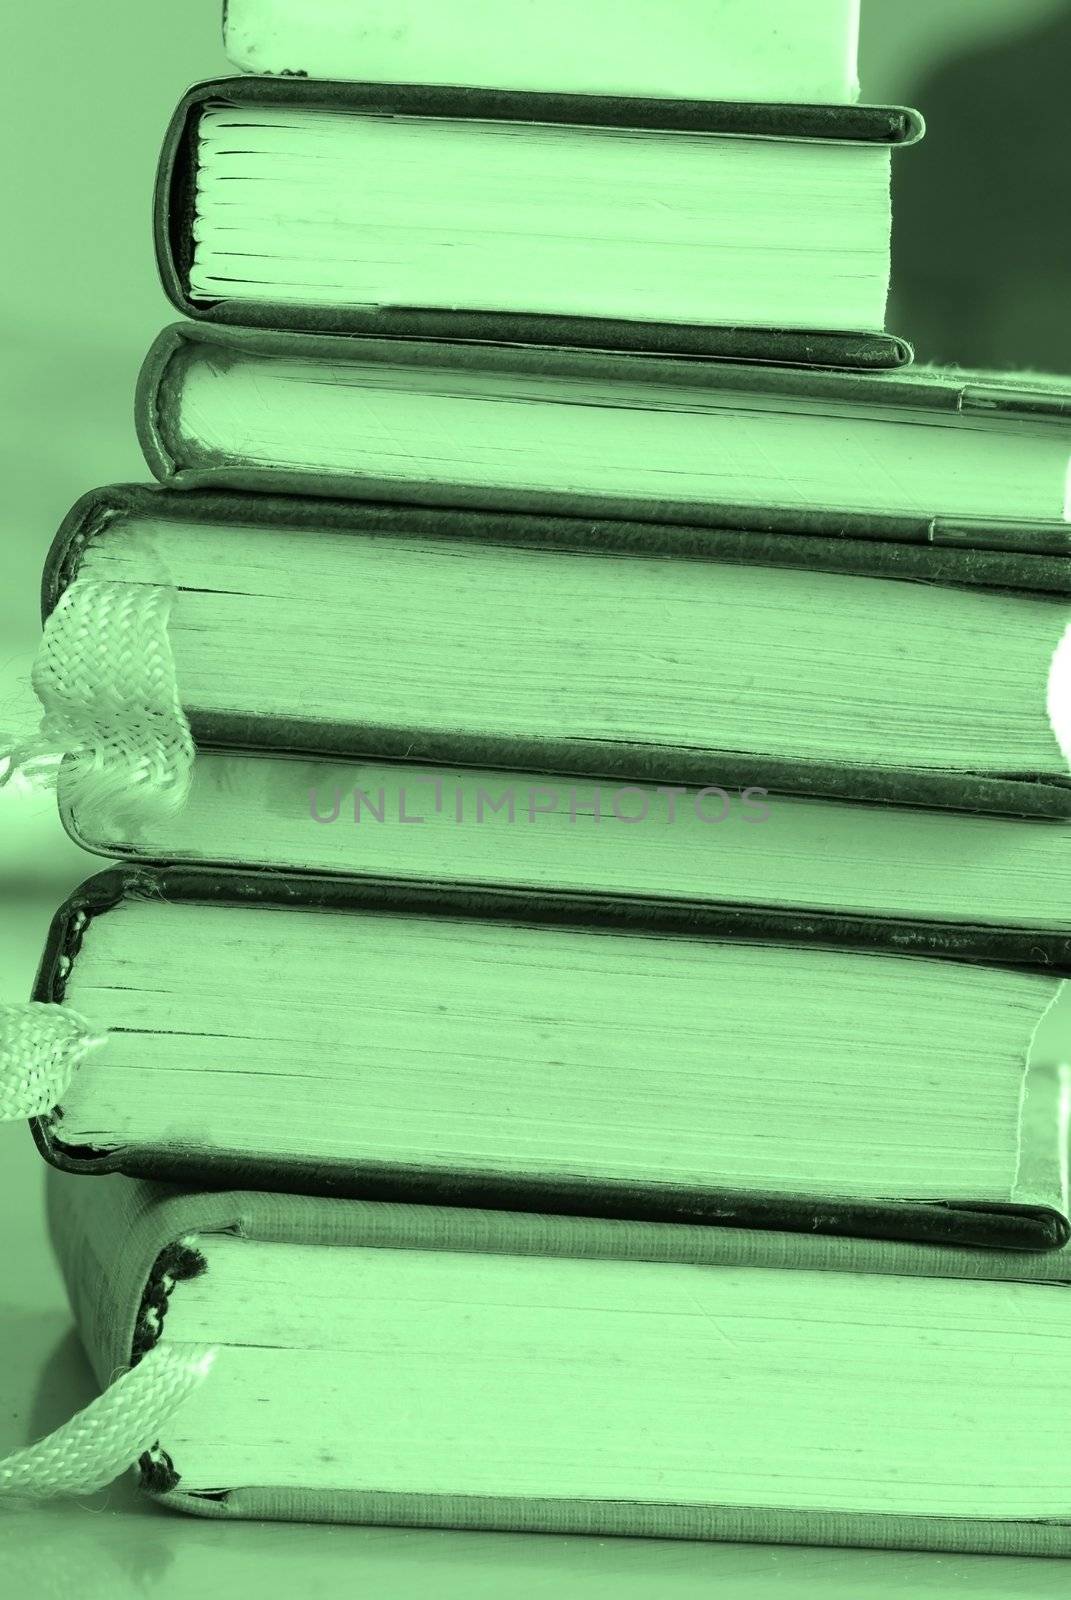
[(669, 225), (638, 652), (734, 50), (483, 828), (424, 1366), (581, 432), (583, 1055)]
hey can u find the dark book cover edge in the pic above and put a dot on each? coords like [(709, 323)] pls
[(852, 544), (862, 351), (1026, 1227), (841, 123), (1042, 950), (952, 392), (745, 1524), (1043, 797)]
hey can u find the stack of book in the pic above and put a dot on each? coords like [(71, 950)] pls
[(584, 726)]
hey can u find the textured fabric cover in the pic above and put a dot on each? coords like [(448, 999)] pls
[(108, 1233)]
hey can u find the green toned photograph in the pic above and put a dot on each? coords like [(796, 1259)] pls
[(535, 799)]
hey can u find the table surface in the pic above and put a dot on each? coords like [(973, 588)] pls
[(118, 1545)]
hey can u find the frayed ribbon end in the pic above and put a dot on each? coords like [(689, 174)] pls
[(113, 734)]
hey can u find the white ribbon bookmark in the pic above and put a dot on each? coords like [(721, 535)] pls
[(99, 1443), (105, 677), (41, 1047)]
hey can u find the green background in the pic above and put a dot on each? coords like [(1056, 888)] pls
[(87, 91)]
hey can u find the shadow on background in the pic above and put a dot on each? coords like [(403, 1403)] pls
[(981, 214)]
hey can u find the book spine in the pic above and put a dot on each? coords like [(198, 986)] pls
[(89, 516), (120, 1262), (159, 382), (174, 197)]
